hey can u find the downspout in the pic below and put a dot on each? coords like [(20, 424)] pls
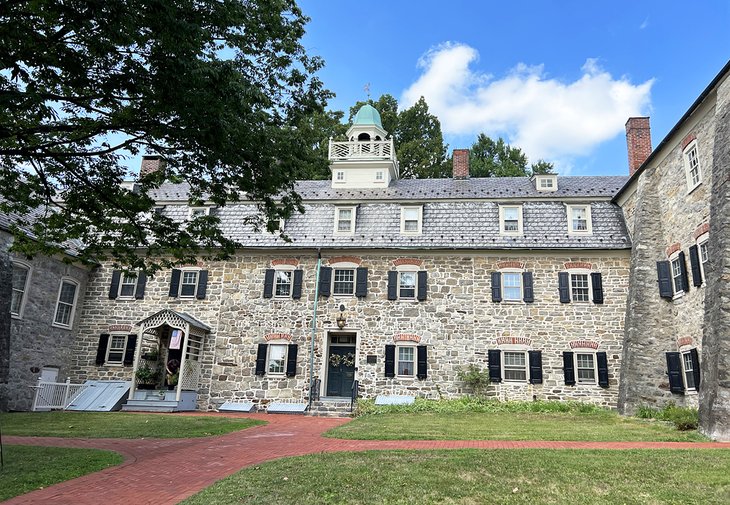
[(314, 330)]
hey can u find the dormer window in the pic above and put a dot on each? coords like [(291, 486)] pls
[(198, 212), (510, 219), (579, 220), (411, 220), (345, 220), (546, 182)]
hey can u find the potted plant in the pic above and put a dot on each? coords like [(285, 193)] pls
[(146, 377), (151, 355)]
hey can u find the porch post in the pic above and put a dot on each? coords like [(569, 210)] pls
[(186, 340), (137, 353)]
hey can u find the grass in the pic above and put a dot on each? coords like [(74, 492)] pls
[(29, 468), (471, 476), (119, 425), (469, 419)]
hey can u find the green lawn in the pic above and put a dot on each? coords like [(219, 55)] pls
[(28, 468), (472, 476), (598, 426), (119, 425)]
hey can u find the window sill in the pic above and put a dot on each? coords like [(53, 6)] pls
[(61, 326), (405, 377), (678, 296), (691, 190), (580, 233), (16, 316)]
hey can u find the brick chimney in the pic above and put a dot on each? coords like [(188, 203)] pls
[(150, 164), (638, 142), (461, 163)]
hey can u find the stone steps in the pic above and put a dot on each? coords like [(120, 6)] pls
[(335, 407)]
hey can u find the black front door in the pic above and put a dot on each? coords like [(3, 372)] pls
[(340, 371)]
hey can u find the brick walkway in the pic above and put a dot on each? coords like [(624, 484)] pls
[(166, 471)]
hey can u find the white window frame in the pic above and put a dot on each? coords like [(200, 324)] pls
[(702, 245), (183, 271), (289, 269), (552, 179), (505, 367), (353, 219), (403, 209), (192, 211), (690, 154), (340, 180), (570, 208), (502, 211), (270, 347), (121, 284), (379, 176), (408, 270), (684, 355), (674, 260), (340, 267), (585, 352), (107, 360), (580, 271), (512, 271), (411, 375), (23, 292), (69, 324)]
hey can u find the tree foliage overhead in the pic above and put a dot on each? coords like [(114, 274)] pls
[(489, 158), (222, 90)]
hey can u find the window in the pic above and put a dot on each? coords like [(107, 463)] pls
[(407, 285), (579, 219), (704, 255), (379, 176), (65, 303), (579, 287), (115, 351), (515, 366), (283, 282), (689, 377), (343, 281), (692, 166), (547, 182), (406, 361), (188, 283), (512, 286), (345, 220), (585, 365), (410, 220), (276, 361), (510, 218), (21, 274), (127, 286), (676, 264), (340, 176), (198, 211)]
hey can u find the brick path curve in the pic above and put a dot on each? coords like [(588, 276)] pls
[(166, 471)]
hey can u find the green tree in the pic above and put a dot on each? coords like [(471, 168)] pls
[(489, 158), (224, 91), (322, 125)]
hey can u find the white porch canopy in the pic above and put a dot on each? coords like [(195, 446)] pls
[(194, 332)]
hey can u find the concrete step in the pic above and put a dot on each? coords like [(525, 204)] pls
[(150, 406), (330, 408)]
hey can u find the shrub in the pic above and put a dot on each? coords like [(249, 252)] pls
[(684, 418), (475, 378), (475, 404)]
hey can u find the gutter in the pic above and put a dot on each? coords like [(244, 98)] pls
[(314, 330)]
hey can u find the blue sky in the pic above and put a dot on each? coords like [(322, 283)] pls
[(558, 79)]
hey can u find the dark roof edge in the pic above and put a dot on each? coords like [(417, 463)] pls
[(710, 87)]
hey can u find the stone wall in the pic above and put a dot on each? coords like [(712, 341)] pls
[(35, 342), (6, 288), (458, 322)]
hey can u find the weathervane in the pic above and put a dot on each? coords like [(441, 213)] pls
[(367, 90)]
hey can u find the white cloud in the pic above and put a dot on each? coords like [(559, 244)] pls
[(546, 117)]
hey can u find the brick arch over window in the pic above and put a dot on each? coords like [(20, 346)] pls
[(285, 261), (345, 259), (406, 337), (407, 261), (277, 336)]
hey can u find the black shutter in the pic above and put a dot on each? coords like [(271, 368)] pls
[(325, 281), (568, 368), (422, 285), (202, 284), (564, 287), (664, 274), (175, 282), (291, 360), (296, 290), (141, 285), (674, 370), (361, 284), (114, 288), (535, 367), (101, 349), (392, 285), (683, 271), (695, 367), (694, 262), (269, 283), (602, 361), (528, 293), (390, 360), (261, 359), (129, 350), (597, 284), (495, 365), (422, 362), (496, 287)]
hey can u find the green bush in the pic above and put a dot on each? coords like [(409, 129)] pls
[(475, 378), (476, 404), (684, 418)]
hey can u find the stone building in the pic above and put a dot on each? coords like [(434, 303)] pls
[(40, 301), (409, 281), (676, 205)]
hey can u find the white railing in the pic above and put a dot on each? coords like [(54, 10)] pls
[(376, 149), (55, 395)]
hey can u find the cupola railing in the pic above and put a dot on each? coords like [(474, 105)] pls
[(371, 150)]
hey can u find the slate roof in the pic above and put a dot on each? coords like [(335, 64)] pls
[(72, 247), (456, 215)]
